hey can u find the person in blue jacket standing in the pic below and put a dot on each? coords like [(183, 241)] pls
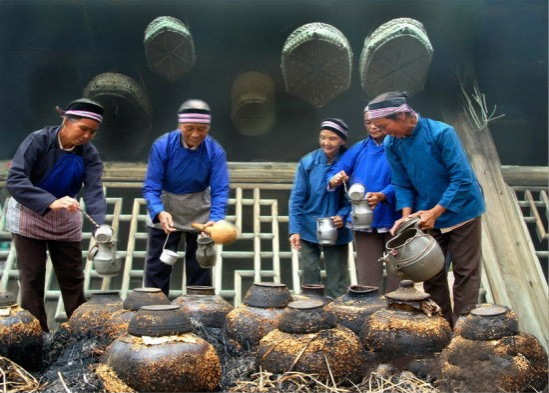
[(365, 163), (48, 171), (309, 200), (433, 179), (187, 181)]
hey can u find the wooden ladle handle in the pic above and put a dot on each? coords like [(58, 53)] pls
[(200, 227)]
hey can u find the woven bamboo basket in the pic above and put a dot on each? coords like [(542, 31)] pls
[(317, 63), (169, 47), (127, 119), (252, 100), (396, 56)]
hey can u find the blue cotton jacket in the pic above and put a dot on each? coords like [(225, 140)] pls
[(430, 167), (37, 156), (310, 199), (365, 163), (178, 170)]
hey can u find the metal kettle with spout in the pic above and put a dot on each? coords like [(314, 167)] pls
[(361, 214), (104, 259), (326, 232), (206, 254)]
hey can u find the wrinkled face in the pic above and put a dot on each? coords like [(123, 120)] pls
[(330, 142), (78, 131), (372, 130), (398, 128), (194, 133)]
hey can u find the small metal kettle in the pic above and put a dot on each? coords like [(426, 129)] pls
[(206, 254), (326, 232), (361, 214)]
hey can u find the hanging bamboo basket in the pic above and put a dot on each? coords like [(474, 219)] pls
[(169, 47), (252, 100), (317, 63), (396, 56)]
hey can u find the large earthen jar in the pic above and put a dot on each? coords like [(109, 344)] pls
[(160, 353), (356, 305), (410, 327), (118, 323), (21, 337), (488, 354), (93, 315), (309, 340), (202, 305), (262, 306), (313, 292)]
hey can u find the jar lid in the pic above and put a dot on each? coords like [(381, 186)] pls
[(160, 320), (407, 292), (489, 311), (308, 304), (139, 297), (7, 299)]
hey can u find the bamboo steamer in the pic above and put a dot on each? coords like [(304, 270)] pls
[(20, 334), (222, 231)]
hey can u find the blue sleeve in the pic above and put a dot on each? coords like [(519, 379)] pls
[(460, 174), (298, 196), (389, 192), (403, 189), (219, 184), (19, 183), (96, 205), (345, 163), (154, 178)]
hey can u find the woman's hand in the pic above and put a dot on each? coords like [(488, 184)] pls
[(338, 221), (295, 241), (67, 203), (374, 198), (338, 179), (166, 221)]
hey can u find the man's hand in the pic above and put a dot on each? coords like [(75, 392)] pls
[(67, 203), (338, 179), (295, 241), (166, 221)]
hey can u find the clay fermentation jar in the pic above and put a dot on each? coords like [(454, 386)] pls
[(93, 315), (313, 292), (201, 304), (355, 306), (20, 334), (403, 329), (262, 306), (135, 299), (489, 354), (160, 353), (309, 340)]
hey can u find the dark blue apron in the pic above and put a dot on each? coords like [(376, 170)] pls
[(65, 178)]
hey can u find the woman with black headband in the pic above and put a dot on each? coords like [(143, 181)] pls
[(310, 200), (433, 179), (46, 174)]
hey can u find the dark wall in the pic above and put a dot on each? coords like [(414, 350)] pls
[(49, 50)]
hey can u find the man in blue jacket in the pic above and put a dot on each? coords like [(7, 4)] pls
[(433, 179), (187, 182)]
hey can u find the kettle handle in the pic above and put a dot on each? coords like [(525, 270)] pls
[(92, 252)]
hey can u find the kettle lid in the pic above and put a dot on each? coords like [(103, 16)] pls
[(407, 292)]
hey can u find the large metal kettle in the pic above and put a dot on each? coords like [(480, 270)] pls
[(104, 259)]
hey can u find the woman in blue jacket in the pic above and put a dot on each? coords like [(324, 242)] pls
[(310, 200), (365, 163)]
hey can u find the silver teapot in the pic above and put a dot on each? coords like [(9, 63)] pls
[(413, 255), (361, 214), (326, 232), (104, 259), (206, 254)]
